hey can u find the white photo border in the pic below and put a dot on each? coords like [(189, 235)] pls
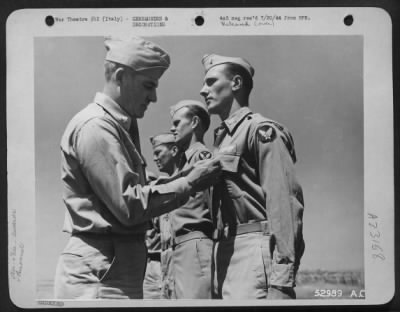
[(373, 24)]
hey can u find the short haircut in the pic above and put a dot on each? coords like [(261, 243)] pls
[(235, 69), (194, 110)]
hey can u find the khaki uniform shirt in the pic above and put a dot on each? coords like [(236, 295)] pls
[(259, 183), (103, 174), (194, 215)]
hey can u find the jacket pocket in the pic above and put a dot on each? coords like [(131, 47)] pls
[(106, 271)]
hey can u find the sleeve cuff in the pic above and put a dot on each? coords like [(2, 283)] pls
[(179, 187), (166, 197)]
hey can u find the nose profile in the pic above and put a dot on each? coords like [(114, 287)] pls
[(153, 96), (204, 91)]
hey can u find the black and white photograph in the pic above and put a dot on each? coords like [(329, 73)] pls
[(216, 167)]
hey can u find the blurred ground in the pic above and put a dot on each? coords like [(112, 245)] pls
[(321, 284), (317, 284)]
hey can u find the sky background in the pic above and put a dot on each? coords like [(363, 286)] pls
[(311, 84)]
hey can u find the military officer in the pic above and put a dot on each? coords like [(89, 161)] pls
[(192, 227), (159, 267), (259, 198), (108, 205)]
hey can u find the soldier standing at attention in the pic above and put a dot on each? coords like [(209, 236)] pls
[(259, 198), (192, 227), (159, 267), (108, 205)]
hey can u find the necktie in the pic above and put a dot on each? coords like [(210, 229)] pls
[(182, 161), (219, 134), (217, 189), (134, 134)]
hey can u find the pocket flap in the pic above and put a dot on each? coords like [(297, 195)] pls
[(230, 163)]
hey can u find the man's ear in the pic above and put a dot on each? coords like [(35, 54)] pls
[(174, 150), (119, 75), (195, 122), (237, 82)]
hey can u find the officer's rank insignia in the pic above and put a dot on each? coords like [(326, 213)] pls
[(205, 155), (266, 134)]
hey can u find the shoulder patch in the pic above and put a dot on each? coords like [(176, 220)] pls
[(205, 155), (266, 134)]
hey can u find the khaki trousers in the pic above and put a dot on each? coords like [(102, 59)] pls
[(152, 284), (167, 273), (192, 269), (241, 266), (101, 267)]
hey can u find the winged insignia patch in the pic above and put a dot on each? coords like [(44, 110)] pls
[(266, 134), (205, 155)]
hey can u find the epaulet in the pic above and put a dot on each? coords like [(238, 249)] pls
[(260, 119), (257, 121)]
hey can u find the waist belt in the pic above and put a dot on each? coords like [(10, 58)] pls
[(240, 229), (154, 256), (186, 237), (110, 235)]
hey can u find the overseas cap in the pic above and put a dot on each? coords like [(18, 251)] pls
[(162, 138), (211, 60), (185, 103), (141, 55)]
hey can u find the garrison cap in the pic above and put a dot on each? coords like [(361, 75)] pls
[(141, 55), (185, 103), (211, 60), (162, 138)]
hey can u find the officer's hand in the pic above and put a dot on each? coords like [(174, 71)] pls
[(281, 293), (204, 174)]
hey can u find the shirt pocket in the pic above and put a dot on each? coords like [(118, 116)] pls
[(229, 158), (230, 163)]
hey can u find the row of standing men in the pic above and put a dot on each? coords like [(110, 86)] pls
[(225, 223)]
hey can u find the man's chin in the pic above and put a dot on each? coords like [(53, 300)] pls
[(140, 112), (211, 109), (139, 115)]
